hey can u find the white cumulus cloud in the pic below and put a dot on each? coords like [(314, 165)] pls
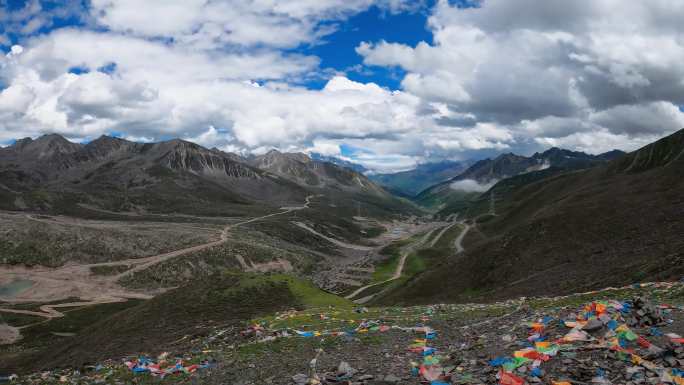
[(471, 185), (605, 71), (588, 75)]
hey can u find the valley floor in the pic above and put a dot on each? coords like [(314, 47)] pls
[(46, 291)]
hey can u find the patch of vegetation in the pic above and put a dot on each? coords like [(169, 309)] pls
[(159, 171), (372, 339), (446, 201), (280, 227), (675, 296), (415, 264), (435, 234), (74, 321), (445, 244), (386, 268), (472, 292), (343, 318), (308, 295), (35, 306), (7, 200), (15, 319), (250, 352), (480, 313), (484, 218)]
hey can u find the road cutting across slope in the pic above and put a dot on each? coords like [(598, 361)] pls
[(458, 245), (333, 240), (439, 235), (397, 272), (77, 281)]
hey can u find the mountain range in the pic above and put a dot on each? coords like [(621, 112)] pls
[(54, 174), (454, 195)]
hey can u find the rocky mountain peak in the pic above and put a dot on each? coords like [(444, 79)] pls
[(508, 158), (47, 146), (104, 146), (109, 142)]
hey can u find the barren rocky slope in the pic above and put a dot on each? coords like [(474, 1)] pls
[(52, 174)]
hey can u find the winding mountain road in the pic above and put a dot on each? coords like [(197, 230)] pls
[(144, 263), (439, 235), (49, 311), (397, 272), (458, 245)]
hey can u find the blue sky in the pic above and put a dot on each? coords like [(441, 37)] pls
[(386, 83), (49, 9), (338, 50)]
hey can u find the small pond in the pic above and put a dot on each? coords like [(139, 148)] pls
[(14, 288)]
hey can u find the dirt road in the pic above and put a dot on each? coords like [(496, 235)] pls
[(458, 243), (333, 240), (439, 235), (77, 281), (49, 311)]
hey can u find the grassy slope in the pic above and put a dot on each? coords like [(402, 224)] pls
[(386, 268), (419, 261), (308, 295), (416, 262)]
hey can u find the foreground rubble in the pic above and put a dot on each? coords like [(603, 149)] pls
[(630, 335)]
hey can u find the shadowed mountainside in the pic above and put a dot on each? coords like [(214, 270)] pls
[(609, 225)]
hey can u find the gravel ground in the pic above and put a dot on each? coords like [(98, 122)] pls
[(468, 339)]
